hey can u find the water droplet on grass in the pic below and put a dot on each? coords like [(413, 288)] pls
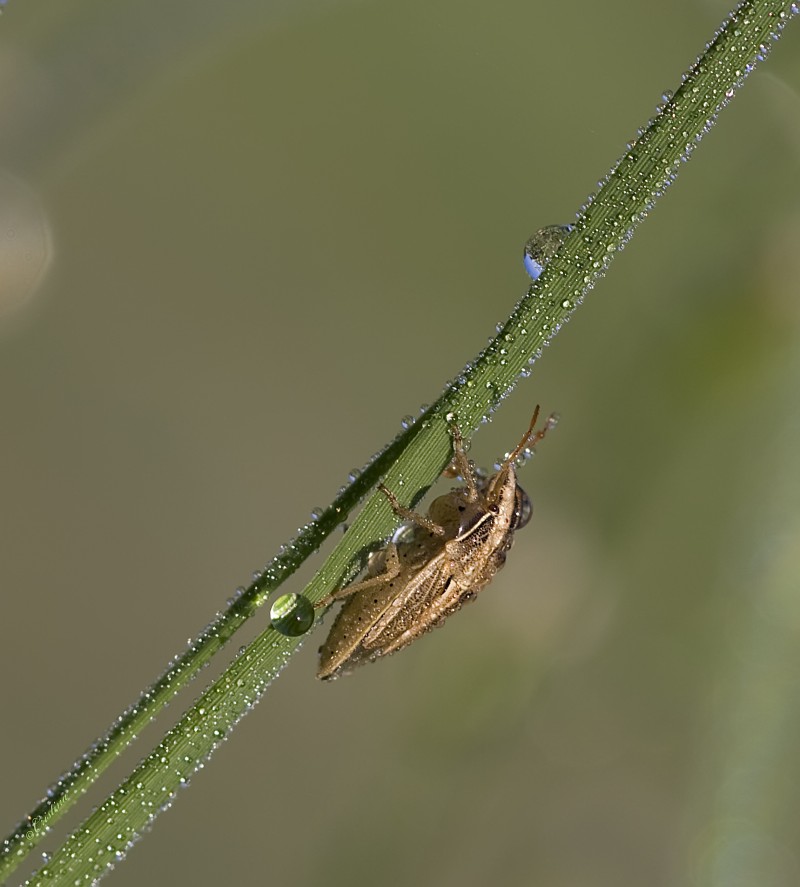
[(544, 244), (292, 615)]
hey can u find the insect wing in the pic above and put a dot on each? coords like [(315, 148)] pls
[(356, 617), (434, 593), (409, 607)]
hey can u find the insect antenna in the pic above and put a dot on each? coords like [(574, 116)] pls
[(531, 438)]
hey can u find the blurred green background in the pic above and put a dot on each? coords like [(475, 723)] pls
[(272, 230)]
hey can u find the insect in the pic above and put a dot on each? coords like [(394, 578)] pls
[(434, 564)]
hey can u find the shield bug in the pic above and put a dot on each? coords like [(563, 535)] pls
[(434, 563)]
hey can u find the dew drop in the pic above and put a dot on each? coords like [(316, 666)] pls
[(292, 615), (542, 246)]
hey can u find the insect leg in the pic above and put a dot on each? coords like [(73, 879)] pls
[(391, 571), (462, 464), (407, 514)]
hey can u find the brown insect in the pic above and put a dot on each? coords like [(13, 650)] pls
[(433, 564)]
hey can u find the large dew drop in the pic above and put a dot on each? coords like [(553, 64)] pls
[(292, 615), (544, 244)]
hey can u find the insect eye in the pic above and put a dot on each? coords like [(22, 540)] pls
[(523, 509)]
